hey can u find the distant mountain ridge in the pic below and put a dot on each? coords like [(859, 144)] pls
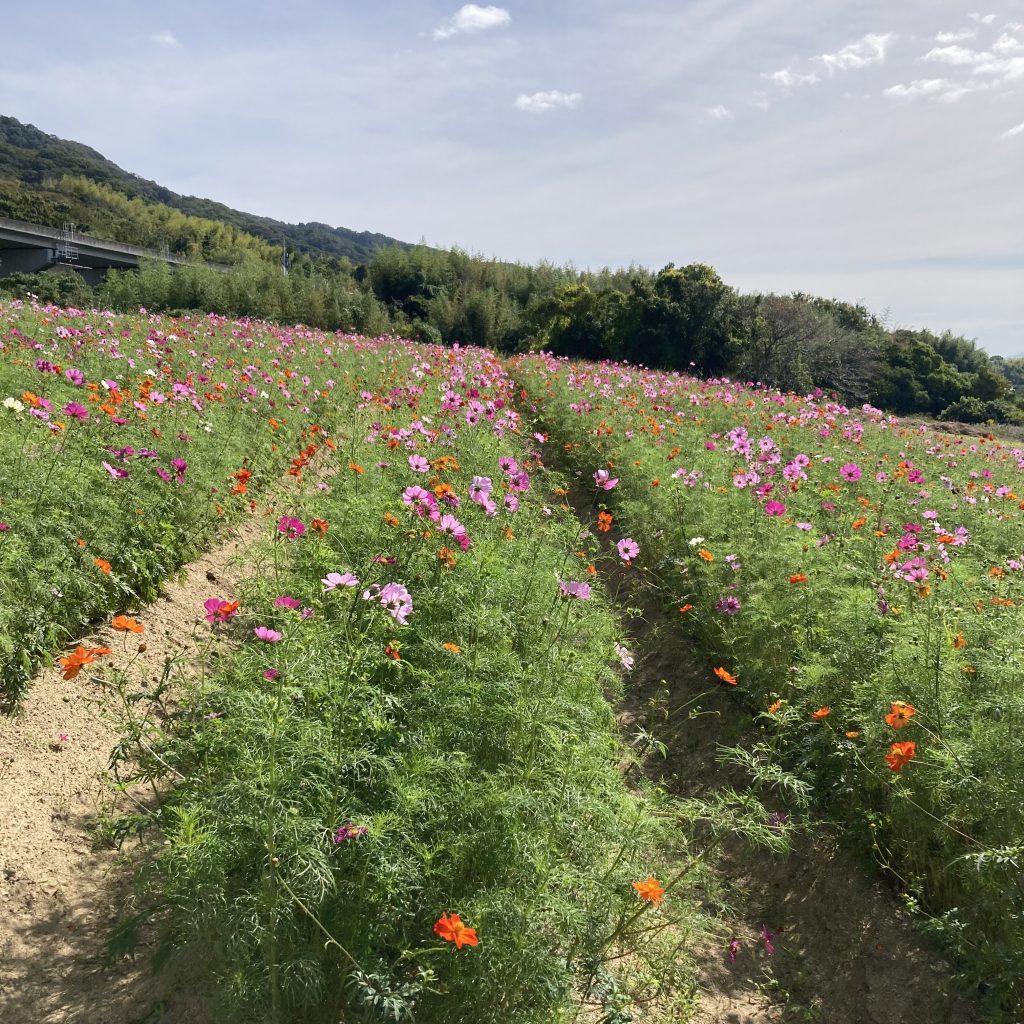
[(33, 158)]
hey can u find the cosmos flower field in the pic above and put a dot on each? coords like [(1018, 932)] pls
[(402, 795), (858, 580)]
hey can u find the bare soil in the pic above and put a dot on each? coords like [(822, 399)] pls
[(60, 892)]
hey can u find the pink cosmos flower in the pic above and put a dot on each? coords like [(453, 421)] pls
[(116, 472), (76, 411), (626, 659), (336, 579), (421, 501), (603, 480), (418, 464), (284, 601), (851, 472), (570, 588), (628, 549), (480, 489), (774, 508), (270, 636)]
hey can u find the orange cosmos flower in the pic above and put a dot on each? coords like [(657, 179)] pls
[(451, 929), (102, 564), (858, 523), (356, 468), (900, 754), (452, 648), (127, 625), (821, 713), (726, 677), (798, 578), (604, 521), (774, 707), (706, 555), (959, 641), (685, 608), (320, 525), (851, 734), (82, 656), (650, 891), (900, 715)]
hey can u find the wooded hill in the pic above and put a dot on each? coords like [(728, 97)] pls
[(39, 162)]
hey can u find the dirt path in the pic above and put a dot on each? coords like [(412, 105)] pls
[(59, 892), (844, 949)]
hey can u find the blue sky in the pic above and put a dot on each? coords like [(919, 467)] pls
[(869, 150)]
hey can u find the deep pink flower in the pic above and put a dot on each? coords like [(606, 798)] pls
[(774, 508), (349, 831), (220, 611), (76, 411), (851, 471), (291, 527)]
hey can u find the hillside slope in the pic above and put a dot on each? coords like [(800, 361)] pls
[(35, 159)]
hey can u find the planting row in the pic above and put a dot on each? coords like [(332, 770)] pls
[(859, 581), (124, 444), (403, 799)]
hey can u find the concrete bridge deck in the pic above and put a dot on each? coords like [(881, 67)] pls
[(29, 248)]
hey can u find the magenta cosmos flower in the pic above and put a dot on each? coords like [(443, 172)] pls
[(851, 471), (628, 549), (220, 611), (291, 527), (774, 508)]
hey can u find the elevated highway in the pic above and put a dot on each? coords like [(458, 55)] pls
[(30, 248)]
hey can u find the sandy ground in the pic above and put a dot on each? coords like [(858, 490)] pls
[(60, 891)]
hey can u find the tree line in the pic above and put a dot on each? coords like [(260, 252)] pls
[(678, 318)]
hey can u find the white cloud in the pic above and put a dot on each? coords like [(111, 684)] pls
[(542, 102), (1015, 130), (1007, 44), (473, 18), (788, 78), (919, 89), (955, 37), (760, 100), (982, 19), (720, 113), (165, 38), (944, 89), (869, 50), (953, 55)]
